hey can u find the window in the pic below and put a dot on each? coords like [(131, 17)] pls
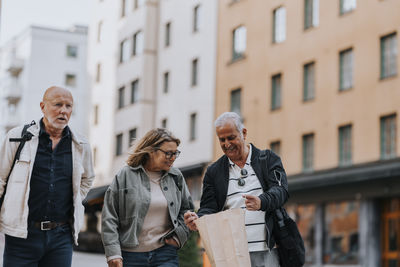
[(347, 6), (388, 55), (340, 235), (124, 51), (99, 31), (164, 123), (308, 152), (309, 81), (72, 51), (96, 114), (276, 147), (166, 82), (346, 69), (311, 13), (193, 127), (345, 145), (194, 71), (137, 43), (125, 7), (70, 80), (134, 91), (388, 137), (276, 91), (98, 72), (167, 40), (118, 145), (139, 3), (279, 24), (196, 18), (239, 42), (235, 100), (132, 136), (121, 96)]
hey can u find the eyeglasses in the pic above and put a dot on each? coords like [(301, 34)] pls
[(169, 154), (243, 174)]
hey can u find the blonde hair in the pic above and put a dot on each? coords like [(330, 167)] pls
[(152, 140)]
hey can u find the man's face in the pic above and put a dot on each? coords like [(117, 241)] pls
[(231, 141), (57, 108)]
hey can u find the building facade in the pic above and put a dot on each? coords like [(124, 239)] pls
[(317, 82), (160, 64), (35, 60)]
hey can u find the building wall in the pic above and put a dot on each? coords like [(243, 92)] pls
[(102, 50), (152, 106), (183, 98), (361, 106)]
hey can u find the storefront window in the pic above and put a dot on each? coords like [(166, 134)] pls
[(341, 233)]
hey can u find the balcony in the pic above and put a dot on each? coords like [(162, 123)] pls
[(12, 91), (16, 66), (11, 118)]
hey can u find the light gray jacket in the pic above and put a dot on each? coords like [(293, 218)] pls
[(127, 201), (14, 211)]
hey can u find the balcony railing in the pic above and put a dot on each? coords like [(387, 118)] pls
[(12, 91), (16, 66)]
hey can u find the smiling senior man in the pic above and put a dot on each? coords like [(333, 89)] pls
[(235, 181), (42, 211)]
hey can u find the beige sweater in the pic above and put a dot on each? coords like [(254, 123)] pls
[(157, 222)]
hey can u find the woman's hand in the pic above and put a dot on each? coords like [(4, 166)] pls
[(171, 241), (190, 217), (115, 263)]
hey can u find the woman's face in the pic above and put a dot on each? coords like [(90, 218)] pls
[(161, 159)]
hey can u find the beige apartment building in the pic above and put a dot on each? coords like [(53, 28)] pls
[(317, 81)]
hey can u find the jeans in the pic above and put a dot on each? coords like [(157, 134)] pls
[(264, 258), (41, 248), (165, 256)]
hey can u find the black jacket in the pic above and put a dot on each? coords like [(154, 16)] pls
[(216, 179)]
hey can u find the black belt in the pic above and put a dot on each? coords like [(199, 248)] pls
[(47, 225)]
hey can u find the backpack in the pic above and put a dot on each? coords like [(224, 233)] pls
[(25, 136), (291, 249)]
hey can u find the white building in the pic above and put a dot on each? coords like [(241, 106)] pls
[(160, 58), (35, 60)]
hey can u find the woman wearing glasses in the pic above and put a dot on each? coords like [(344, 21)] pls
[(142, 219)]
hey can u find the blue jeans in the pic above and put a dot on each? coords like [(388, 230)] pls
[(165, 256), (41, 248)]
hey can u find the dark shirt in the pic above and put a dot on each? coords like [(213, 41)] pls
[(50, 197)]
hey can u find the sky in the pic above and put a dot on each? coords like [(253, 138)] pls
[(17, 15)]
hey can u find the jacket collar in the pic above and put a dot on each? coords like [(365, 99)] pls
[(173, 171)]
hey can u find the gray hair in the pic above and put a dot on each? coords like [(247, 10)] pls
[(228, 117)]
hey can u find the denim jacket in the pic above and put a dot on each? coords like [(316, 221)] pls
[(127, 201)]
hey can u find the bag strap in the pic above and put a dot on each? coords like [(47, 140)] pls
[(25, 136), (280, 213)]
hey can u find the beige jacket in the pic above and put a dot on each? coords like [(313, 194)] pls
[(14, 211)]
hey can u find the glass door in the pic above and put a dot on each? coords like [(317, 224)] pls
[(391, 233)]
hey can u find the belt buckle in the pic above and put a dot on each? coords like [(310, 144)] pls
[(45, 226)]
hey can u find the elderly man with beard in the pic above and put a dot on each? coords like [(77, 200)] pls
[(236, 181), (42, 211)]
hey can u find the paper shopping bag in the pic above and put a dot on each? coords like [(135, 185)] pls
[(224, 238)]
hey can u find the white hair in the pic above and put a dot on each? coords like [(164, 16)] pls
[(230, 117)]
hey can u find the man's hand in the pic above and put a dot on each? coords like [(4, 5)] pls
[(190, 217), (252, 202), (115, 263)]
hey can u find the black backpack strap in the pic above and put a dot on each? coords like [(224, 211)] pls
[(264, 165), (25, 136)]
